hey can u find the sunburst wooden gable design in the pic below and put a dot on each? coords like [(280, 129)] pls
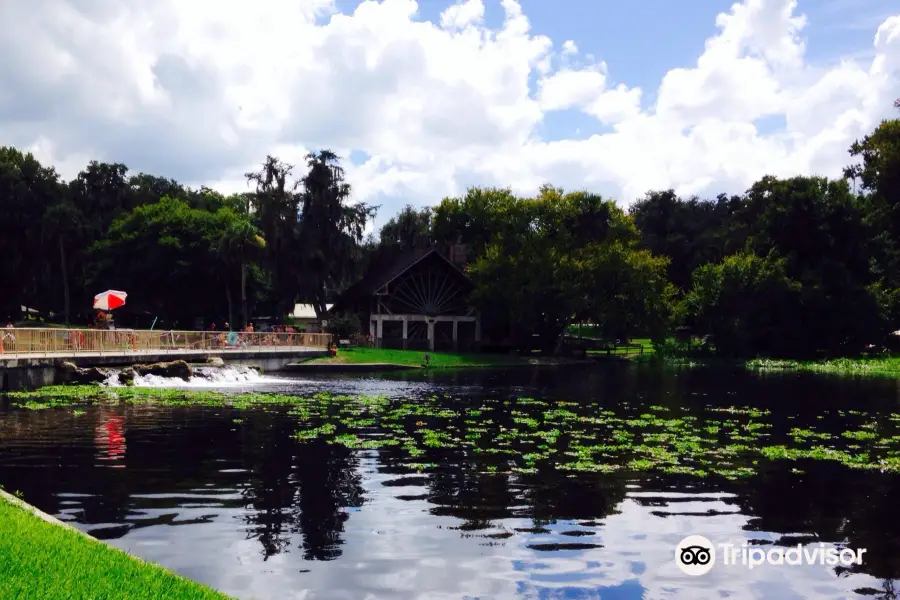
[(421, 302)]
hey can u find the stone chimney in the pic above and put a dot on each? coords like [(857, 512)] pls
[(458, 254)]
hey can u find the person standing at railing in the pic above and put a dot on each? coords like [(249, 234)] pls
[(247, 335), (7, 336)]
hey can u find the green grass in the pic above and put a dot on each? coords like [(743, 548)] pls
[(888, 366), (630, 350), (417, 358), (43, 561), (880, 366)]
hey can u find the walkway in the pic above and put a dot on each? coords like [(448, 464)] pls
[(124, 344)]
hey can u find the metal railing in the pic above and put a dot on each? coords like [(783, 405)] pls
[(27, 341)]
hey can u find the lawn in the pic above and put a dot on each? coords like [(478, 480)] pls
[(417, 358), (43, 561), (629, 350)]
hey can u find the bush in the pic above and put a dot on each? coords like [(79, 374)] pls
[(343, 325)]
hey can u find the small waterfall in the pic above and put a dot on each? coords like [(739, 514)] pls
[(211, 377)]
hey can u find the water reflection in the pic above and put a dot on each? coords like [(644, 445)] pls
[(298, 491), (109, 439), (234, 500)]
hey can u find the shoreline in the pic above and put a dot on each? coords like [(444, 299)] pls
[(81, 565), (357, 359), (887, 366), (339, 367)]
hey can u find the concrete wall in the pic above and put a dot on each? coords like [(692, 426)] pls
[(26, 378), (31, 373), (271, 364)]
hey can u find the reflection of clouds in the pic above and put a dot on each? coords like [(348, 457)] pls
[(400, 549), (635, 562), (663, 579), (397, 549)]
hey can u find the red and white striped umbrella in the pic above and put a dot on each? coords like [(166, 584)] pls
[(109, 300)]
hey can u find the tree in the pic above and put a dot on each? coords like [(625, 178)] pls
[(628, 292), (64, 223), (343, 325), (161, 253), (275, 206), (101, 192), (148, 189), (239, 242), (474, 219), (745, 302), (879, 175), (690, 232), (567, 257), (819, 227), (330, 229), (27, 189), (410, 230)]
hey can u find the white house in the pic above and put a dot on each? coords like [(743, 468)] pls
[(304, 316)]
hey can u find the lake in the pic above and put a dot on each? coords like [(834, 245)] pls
[(566, 483)]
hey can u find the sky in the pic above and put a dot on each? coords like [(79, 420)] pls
[(424, 99)]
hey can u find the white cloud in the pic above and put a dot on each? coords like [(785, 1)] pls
[(569, 87), (462, 14), (202, 91)]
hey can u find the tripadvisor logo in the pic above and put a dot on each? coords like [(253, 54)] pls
[(696, 555)]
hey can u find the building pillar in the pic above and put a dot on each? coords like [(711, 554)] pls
[(404, 332), (431, 334), (455, 331), (379, 330), (477, 330)]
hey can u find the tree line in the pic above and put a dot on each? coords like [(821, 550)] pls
[(793, 267), (179, 252)]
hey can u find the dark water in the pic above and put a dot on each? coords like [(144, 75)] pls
[(231, 498)]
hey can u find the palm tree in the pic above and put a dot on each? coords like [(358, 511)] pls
[(240, 243)]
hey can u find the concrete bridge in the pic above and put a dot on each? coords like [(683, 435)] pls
[(31, 357)]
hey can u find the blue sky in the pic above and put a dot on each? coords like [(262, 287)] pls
[(437, 113), (640, 41)]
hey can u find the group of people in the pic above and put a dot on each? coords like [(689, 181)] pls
[(103, 320), (243, 337), (251, 329)]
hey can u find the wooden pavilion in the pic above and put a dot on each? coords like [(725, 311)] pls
[(420, 303)]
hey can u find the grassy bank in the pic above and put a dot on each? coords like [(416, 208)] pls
[(438, 360), (886, 366), (44, 561), (882, 366)]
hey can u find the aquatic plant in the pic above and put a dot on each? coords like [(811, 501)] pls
[(528, 436), (887, 366)]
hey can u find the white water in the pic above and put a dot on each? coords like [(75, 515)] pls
[(209, 377)]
